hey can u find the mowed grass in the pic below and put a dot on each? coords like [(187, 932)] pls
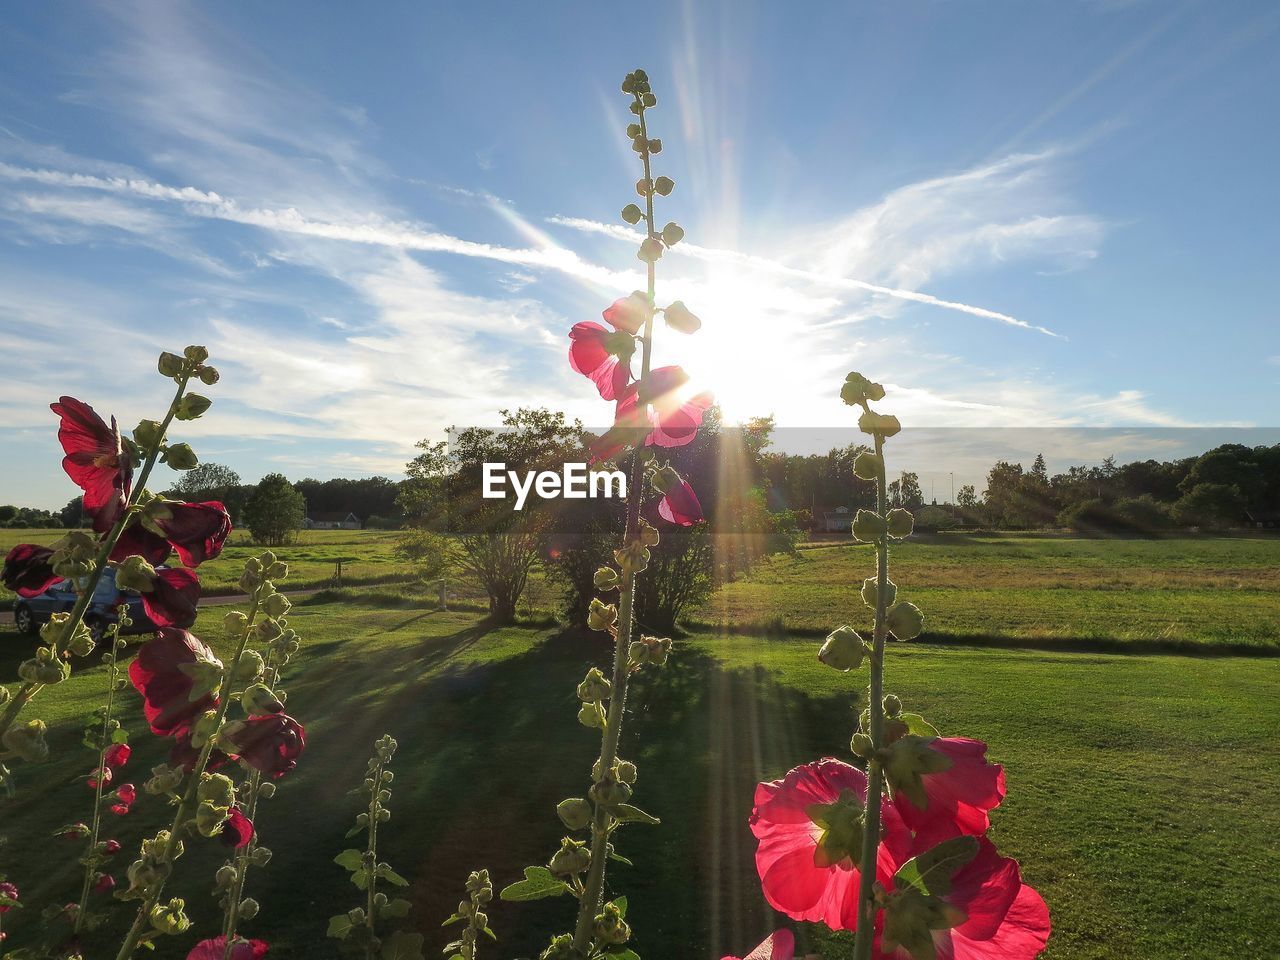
[(1144, 790), (1195, 593)]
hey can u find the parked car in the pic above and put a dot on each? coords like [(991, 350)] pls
[(30, 613)]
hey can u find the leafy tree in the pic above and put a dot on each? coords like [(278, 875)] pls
[(275, 511), (1213, 505), (967, 498), (213, 481), (73, 515)]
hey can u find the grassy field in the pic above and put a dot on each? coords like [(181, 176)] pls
[(1196, 593), (1144, 790)]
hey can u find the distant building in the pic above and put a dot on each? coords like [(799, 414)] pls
[(839, 520), (1262, 519), (332, 521)]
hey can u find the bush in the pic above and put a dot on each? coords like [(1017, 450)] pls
[(275, 512)]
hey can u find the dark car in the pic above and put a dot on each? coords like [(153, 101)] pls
[(30, 613)]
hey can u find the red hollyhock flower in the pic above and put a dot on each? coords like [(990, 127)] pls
[(671, 422), (184, 755), (629, 313), (166, 671), (106, 883), (95, 459), (92, 782), (27, 571), (240, 949), (196, 530), (237, 831), (113, 846), (271, 743), (680, 505), (116, 755), (780, 945), (809, 825), (958, 797), (1004, 919), (173, 598), (9, 892), (126, 796), (603, 356)]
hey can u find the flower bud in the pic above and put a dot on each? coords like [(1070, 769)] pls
[(672, 234), (594, 686), (196, 354), (248, 908), (276, 605), (633, 558), (644, 187), (905, 621), (180, 456), (609, 925), (572, 858), (866, 465), (134, 573), (267, 790), (663, 186), (650, 250), (258, 700), (609, 792), (171, 365), (857, 389), (899, 523), (627, 772), (216, 788), (868, 526), (575, 813), (606, 578), (225, 876), (192, 406), (234, 623), (261, 856), (633, 130), (169, 918), (148, 435), (249, 667), (27, 741), (561, 948), (679, 317), (655, 146), (884, 424), (601, 616), (278, 570), (164, 779), (631, 213), (843, 649), (591, 715), (862, 746), (870, 592), (208, 375)]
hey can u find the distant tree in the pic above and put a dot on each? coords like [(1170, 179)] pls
[(1002, 497), (8, 512), (967, 498), (213, 481), (1213, 505), (274, 512), (911, 497), (72, 515), (1039, 470), (931, 519)]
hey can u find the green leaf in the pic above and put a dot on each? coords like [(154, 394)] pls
[(339, 927), (350, 859), (490, 934), (931, 872), (538, 882), (402, 945), (626, 813), (621, 904), (396, 908), (353, 831), (454, 919), (621, 859), (622, 953), (388, 874), (918, 725)]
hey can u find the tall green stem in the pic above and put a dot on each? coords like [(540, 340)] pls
[(589, 903), (29, 689), (875, 772), (134, 936), (371, 908)]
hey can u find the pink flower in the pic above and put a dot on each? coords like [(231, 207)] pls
[(196, 530), (117, 755), (679, 505), (237, 831), (7, 892), (93, 778), (126, 796), (174, 672), (173, 597), (112, 846), (629, 313), (240, 949), (27, 570), (106, 883), (780, 945), (809, 825), (603, 356), (671, 421), (270, 743), (958, 797), (1003, 918), (95, 459)]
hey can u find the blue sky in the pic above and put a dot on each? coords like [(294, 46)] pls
[(382, 218)]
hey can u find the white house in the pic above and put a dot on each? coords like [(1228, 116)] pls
[(839, 520), (332, 521)]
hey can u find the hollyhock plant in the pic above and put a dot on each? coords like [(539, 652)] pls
[(96, 460), (957, 799), (270, 743), (126, 797), (176, 674), (117, 755), (104, 884), (173, 597), (603, 356), (809, 825), (216, 949), (779, 945), (196, 530), (238, 830), (28, 570), (679, 504)]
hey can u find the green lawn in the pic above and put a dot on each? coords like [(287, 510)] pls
[(1144, 790), (1197, 593)]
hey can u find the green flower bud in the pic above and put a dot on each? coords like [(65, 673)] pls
[(862, 746), (248, 908), (905, 621), (679, 317), (868, 526), (857, 389), (631, 213), (261, 856), (27, 741), (655, 146), (606, 578), (644, 187), (278, 570), (899, 523), (192, 406), (225, 876), (216, 788), (601, 616), (276, 605), (633, 558), (649, 536), (164, 779), (591, 715), (870, 592), (148, 435), (843, 649), (180, 456), (169, 918), (649, 100), (627, 772), (196, 354), (208, 375), (594, 686), (663, 186), (637, 652), (633, 130), (650, 250), (609, 925), (234, 623), (572, 858), (892, 705), (249, 667), (81, 645), (575, 813), (258, 700), (672, 234), (884, 424), (171, 365), (561, 948), (210, 818), (866, 465), (267, 790), (134, 573), (609, 792)]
